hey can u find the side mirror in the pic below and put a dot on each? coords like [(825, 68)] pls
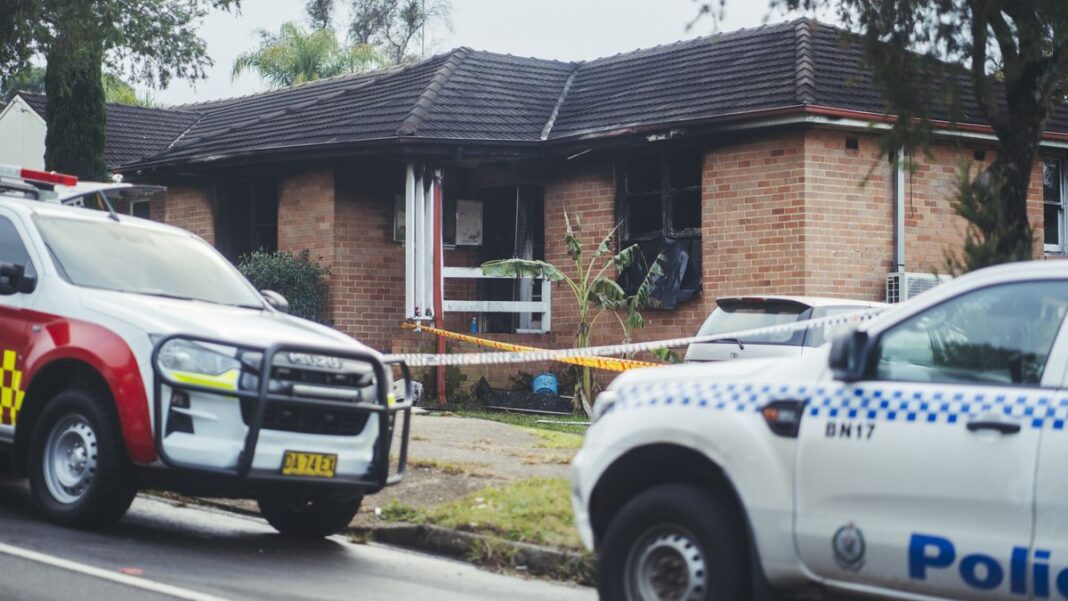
[(13, 280), (849, 356), (275, 300)]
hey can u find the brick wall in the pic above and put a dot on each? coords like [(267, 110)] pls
[(306, 220), (306, 213), (753, 219), (848, 215), (368, 279), (850, 210), (189, 208)]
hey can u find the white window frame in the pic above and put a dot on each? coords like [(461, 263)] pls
[(134, 203), (1062, 230)]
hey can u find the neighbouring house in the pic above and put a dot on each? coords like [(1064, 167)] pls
[(133, 132), (750, 159), (22, 130)]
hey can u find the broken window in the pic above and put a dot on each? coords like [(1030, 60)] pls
[(247, 216), (660, 208), (513, 227)]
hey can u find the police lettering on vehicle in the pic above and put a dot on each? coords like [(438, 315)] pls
[(928, 552)]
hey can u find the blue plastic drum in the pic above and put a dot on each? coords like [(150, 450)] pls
[(545, 383)]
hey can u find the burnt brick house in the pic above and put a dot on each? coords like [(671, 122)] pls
[(752, 156)]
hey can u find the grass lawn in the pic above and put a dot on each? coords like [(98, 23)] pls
[(535, 422), (535, 510)]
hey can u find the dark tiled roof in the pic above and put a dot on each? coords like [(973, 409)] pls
[(133, 132), (471, 95), (731, 73), (842, 81), (344, 109), (494, 96)]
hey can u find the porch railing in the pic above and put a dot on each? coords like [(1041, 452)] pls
[(519, 307)]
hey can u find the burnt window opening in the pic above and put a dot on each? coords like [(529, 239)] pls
[(513, 226), (852, 143), (247, 216), (659, 205)]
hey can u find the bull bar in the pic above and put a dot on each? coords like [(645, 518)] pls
[(378, 475)]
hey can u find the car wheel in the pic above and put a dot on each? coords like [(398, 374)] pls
[(308, 517), (674, 542), (80, 475)]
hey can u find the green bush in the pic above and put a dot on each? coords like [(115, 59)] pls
[(299, 278)]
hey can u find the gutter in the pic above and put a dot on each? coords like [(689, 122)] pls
[(810, 114), (800, 114), (899, 210)]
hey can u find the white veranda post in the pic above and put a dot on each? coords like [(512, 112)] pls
[(419, 241)]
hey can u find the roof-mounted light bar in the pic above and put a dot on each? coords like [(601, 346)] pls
[(33, 175)]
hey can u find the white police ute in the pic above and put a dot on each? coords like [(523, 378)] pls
[(922, 456)]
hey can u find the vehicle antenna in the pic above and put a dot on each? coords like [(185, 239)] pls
[(107, 203)]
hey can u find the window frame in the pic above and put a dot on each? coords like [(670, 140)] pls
[(1062, 230), (134, 203), (667, 194), (30, 266), (1046, 380)]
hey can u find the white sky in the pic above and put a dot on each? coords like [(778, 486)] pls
[(553, 29)]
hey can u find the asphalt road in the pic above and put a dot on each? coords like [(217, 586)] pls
[(161, 551)]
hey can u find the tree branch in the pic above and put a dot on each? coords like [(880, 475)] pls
[(1003, 35), (981, 82)]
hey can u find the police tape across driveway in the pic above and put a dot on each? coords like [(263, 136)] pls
[(500, 358)]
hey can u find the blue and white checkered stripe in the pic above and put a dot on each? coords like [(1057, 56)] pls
[(883, 402)]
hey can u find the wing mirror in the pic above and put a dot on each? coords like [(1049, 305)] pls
[(849, 356), (14, 279), (275, 300)]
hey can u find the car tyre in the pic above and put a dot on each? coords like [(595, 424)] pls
[(308, 516), (677, 542), (80, 475)]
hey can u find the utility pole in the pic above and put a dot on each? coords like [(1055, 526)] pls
[(422, 51)]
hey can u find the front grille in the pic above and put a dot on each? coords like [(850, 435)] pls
[(307, 419), (325, 378)]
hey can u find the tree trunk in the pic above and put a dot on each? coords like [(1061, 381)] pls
[(75, 113), (1013, 167)]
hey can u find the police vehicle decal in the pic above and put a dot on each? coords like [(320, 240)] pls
[(928, 553), (875, 402)]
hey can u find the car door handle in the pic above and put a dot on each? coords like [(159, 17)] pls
[(1003, 427)]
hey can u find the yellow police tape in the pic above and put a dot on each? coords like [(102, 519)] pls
[(602, 356), (607, 363)]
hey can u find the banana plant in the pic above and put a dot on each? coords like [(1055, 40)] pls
[(594, 287)]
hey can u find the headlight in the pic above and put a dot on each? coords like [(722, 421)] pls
[(604, 401), (182, 355), (199, 364)]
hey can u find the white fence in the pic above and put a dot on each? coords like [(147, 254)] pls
[(520, 307)]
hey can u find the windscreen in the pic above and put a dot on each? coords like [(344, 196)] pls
[(735, 316), (125, 258)]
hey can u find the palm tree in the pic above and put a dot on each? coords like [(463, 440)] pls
[(294, 56)]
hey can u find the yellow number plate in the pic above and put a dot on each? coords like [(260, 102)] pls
[(317, 465)]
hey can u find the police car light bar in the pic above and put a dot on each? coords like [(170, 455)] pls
[(47, 177)]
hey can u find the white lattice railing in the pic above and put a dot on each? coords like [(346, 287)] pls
[(520, 307)]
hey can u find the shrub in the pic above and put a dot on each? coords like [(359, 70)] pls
[(298, 277)]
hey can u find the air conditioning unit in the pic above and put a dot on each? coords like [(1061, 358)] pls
[(901, 286)]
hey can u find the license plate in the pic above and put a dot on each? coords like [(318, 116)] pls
[(316, 465)]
